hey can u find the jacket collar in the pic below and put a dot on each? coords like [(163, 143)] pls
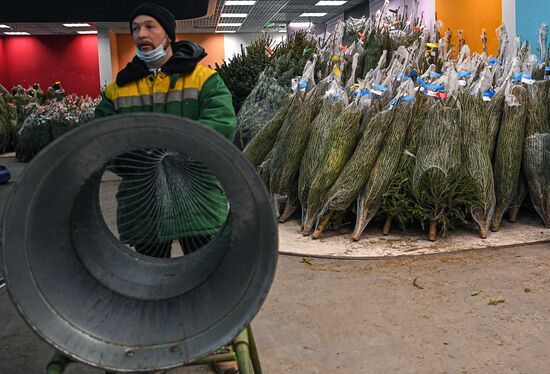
[(186, 55)]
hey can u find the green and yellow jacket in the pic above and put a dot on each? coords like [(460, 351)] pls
[(184, 88)]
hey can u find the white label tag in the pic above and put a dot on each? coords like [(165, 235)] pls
[(376, 92), (486, 98), (431, 93), (527, 81), (462, 83), (416, 89)]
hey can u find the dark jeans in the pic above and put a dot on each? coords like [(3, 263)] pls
[(163, 250)]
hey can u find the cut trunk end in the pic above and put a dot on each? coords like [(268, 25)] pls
[(387, 226), (495, 225), (483, 232), (324, 222), (308, 225), (290, 208), (433, 232), (513, 214), (360, 225)]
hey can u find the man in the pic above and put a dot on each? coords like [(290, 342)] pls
[(176, 200)]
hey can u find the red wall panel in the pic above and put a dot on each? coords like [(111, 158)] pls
[(2, 64), (72, 60)]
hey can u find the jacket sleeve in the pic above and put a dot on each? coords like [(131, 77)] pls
[(105, 107), (216, 107)]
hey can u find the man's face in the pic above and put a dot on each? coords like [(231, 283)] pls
[(147, 33)]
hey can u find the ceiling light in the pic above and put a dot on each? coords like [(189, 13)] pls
[(239, 2), (229, 24), (313, 14), (4, 27), (87, 32), (234, 15), (225, 32), (330, 3), (16, 33), (299, 24), (77, 25)]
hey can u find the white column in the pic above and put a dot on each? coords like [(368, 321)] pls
[(104, 55), (509, 16)]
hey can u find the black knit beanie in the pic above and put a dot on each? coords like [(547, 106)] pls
[(161, 14)]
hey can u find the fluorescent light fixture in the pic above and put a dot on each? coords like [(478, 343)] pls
[(239, 2), (229, 24), (234, 15), (330, 3), (225, 32), (77, 25), (313, 14), (16, 33), (4, 27), (299, 24), (90, 32)]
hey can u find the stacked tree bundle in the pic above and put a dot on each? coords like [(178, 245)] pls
[(260, 77), (395, 129), (44, 123)]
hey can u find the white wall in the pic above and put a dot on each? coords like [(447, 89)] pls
[(426, 6), (104, 55), (232, 42), (509, 16)]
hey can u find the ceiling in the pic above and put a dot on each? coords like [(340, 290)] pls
[(276, 12)]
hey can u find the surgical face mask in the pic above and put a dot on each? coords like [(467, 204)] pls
[(154, 56)]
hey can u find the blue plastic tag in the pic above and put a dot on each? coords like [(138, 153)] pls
[(302, 84), (547, 68), (517, 77), (490, 93), (362, 93), (399, 75), (380, 87), (435, 75), (432, 87), (408, 98), (413, 74), (464, 73)]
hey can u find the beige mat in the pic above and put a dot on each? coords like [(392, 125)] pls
[(373, 244)]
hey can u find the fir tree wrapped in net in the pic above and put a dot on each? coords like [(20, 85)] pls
[(537, 171), (321, 127), (476, 160), (288, 150), (260, 145), (338, 148), (398, 201), (258, 108), (371, 197), (509, 151), (354, 175), (442, 189), (536, 153), (284, 159)]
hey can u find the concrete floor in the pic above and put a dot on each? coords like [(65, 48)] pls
[(429, 314)]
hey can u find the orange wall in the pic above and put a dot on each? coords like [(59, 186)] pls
[(126, 49), (471, 16), (114, 53)]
